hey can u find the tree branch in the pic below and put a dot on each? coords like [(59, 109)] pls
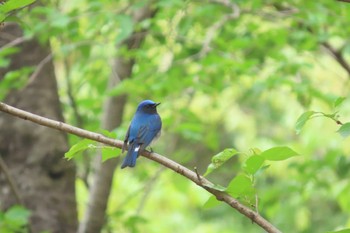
[(335, 53), (347, 1), (199, 180), (11, 182), (338, 56), (210, 34), (39, 67), (14, 42)]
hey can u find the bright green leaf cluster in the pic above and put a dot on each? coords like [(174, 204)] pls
[(242, 185), (14, 219), (11, 5), (344, 130)]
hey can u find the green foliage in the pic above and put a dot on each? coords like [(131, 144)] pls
[(261, 77), (87, 144), (125, 29), (338, 101), (242, 187), (302, 120), (14, 219), (253, 164), (278, 153), (79, 147), (344, 130), (14, 80), (219, 159), (10, 5), (109, 152), (340, 231), (211, 202)]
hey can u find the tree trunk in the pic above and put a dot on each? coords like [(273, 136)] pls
[(94, 217), (34, 154)]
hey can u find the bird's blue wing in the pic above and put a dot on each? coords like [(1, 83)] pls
[(135, 145), (142, 130), (149, 131)]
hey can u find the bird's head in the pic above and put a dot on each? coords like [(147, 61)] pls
[(147, 106)]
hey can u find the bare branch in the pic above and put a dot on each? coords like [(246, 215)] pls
[(199, 180), (335, 53), (10, 181), (14, 42), (338, 56), (39, 68)]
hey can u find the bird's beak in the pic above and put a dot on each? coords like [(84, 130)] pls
[(156, 104)]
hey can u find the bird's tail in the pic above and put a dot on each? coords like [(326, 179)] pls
[(131, 156)]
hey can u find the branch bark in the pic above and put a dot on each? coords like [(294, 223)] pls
[(199, 180)]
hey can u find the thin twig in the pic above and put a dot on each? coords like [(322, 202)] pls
[(205, 184), (39, 67), (73, 103), (338, 56), (10, 181), (14, 42)]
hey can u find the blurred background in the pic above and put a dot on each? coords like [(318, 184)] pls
[(229, 74)]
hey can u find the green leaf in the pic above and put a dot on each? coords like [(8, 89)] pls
[(80, 146), (108, 133), (11, 5), (338, 101), (211, 202), (133, 221), (302, 120), (109, 152), (340, 231), (278, 153), (126, 27), (17, 216), (219, 159), (240, 186), (344, 130), (61, 21), (15, 79), (253, 164)]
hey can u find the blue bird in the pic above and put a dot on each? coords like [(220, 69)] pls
[(144, 128)]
